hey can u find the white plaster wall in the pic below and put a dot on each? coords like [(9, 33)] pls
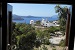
[(31, 21)]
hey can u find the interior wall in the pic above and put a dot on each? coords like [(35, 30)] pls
[(0, 27), (9, 14)]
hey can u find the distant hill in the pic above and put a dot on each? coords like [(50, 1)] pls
[(16, 17), (29, 16), (54, 16)]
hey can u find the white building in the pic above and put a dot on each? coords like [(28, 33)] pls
[(55, 22), (48, 24), (43, 22), (31, 21)]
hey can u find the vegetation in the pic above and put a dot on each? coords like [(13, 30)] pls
[(44, 48), (62, 43), (47, 42), (26, 37), (53, 29), (54, 49), (38, 22), (43, 36), (37, 43), (62, 12), (23, 36)]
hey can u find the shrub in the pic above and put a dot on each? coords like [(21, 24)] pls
[(37, 43), (47, 42), (54, 49), (62, 43), (44, 48)]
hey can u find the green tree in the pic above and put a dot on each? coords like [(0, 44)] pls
[(27, 41), (54, 48), (44, 47), (62, 12), (62, 43), (37, 43), (23, 36), (52, 29), (40, 34), (38, 22), (43, 36)]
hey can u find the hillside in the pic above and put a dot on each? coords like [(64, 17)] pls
[(16, 17)]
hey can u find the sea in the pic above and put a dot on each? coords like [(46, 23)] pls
[(27, 19)]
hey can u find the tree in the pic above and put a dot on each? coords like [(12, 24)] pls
[(40, 35), (62, 43), (37, 43), (38, 22), (23, 36), (44, 47), (52, 29), (43, 36), (27, 41), (62, 12), (54, 48)]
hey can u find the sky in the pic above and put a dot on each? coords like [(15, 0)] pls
[(25, 9)]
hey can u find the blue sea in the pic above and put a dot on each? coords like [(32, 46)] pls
[(27, 19)]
